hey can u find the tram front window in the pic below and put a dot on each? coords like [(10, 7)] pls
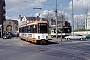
[(42, 28)]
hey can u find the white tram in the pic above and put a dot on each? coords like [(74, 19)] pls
[(36, 32)]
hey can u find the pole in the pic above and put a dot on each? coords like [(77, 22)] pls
[(56, 19), (72, 19), (2, 26), (77, 24), (61, 29)]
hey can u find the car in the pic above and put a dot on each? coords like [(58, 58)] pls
[(88, 36), (77, 36), (7, 36)]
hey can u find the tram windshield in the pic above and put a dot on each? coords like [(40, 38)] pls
[(42, 28)]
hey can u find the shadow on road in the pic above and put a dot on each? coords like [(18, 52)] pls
[(50, 42)]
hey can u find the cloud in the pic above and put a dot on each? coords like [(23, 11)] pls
[(79, 4), (51, 14), (18, 5), (47, 13), (13, 17)]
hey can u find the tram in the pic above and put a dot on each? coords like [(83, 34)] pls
[(35, 32)]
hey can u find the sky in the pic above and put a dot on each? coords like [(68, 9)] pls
[(14, 8)]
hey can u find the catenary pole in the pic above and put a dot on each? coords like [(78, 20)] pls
[(72, 19), (56, 20)]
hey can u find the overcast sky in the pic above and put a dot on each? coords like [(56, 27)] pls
[(14, 8)]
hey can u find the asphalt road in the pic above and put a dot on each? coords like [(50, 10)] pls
[(16, 49)]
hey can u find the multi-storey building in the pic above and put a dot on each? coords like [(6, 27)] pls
[(79, 23), (2, 15), (87, 21), (2, 11)]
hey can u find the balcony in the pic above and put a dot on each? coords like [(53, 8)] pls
[(4, 3), (4, 11)]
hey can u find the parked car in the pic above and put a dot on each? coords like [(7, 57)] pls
[(88, 36), (77, 36), (7, 36)]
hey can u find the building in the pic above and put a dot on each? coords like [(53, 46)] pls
[(24, 19), (10, 26), (2, 11), (52, 22), (59, 23), (87, 21), (79, 22), (2, 15)]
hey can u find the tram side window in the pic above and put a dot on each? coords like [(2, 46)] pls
[(25, 29), (33, 29), (28, 29), (22, 29)]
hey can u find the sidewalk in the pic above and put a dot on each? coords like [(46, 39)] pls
[(1, 39)]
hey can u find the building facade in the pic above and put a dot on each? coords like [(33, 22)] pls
[(10, 26), (79, 22), (2, 11), (52, 22), (87, 21), (24, 19)]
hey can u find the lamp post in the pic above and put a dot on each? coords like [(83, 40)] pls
[(72, 19), (61, 29)]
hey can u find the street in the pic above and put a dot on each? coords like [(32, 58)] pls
[(16, 49)]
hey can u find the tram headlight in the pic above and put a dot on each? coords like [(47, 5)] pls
[(38, 37), (46, 37)]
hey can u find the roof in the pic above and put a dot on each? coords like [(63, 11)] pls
[(34, 23), (31, 18), (15, 21), (35, 18)]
